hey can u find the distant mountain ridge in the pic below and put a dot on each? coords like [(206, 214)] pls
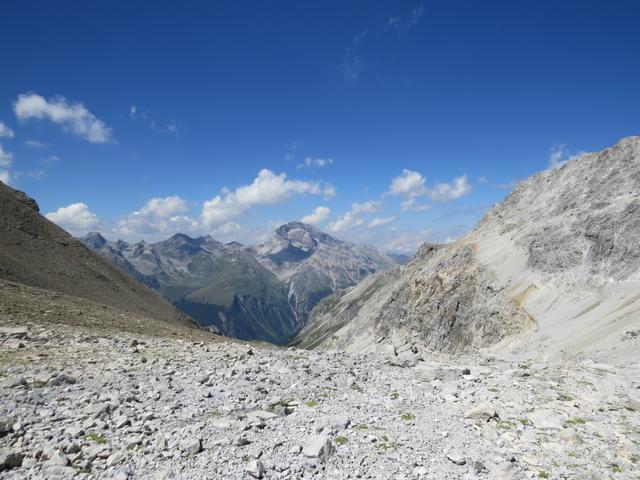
[(264, 292)]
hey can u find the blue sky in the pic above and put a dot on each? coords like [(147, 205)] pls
[(392, 122)]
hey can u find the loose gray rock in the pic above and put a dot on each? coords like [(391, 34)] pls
[(319, 447), (255, 468)]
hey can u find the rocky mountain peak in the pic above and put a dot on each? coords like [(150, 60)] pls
[(304, 235), (94, 240)]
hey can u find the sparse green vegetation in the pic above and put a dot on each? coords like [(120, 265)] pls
[(340, 440), (361, 426), (576, 421), (96, 438), (565, 397), (408, 416), (615, 468), (395, 395), (311, 403), (356, 387), (543, 474), (505, 424), (385, 446), (526, 422)]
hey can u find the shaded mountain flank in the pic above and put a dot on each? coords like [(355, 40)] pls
[(37, 253)]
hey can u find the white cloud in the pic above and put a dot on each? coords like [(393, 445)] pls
[(319, 214), (6, 132), (266, 189), (315, 162), (74, 118), (345, 222), (35, 145), (164, 207), (444, 192), (405, 241), (380, 221), (353, 217), (411, 205), (411, 185), (6, 158), (371, 206), (157, 218), (560, 154), (75, 218), (483, 179)]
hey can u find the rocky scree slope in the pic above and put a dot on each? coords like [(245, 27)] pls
[(36, 252), (80, 402), (552, 271)]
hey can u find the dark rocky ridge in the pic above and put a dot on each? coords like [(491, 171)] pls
[(38, 253)]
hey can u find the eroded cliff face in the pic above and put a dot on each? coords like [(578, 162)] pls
[(554, 270)]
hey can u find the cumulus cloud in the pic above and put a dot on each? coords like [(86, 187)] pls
[(353, 218), (412, 185), (560, 154), (6, 132), (75, 218), (318, 215), (315, 162), (72, 117), (444, 192), (267, 188), (158, 217), (164, 207), (345, 222), (6, 158), (380, 221)]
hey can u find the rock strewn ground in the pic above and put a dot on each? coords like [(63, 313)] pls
[(95, 405)]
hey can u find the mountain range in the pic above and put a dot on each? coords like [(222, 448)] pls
[(264, 292), (553, 270)]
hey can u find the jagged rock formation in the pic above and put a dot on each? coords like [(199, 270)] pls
[(313, 264), (218, 284), (36, 252), (263, 292), (559, 260)]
